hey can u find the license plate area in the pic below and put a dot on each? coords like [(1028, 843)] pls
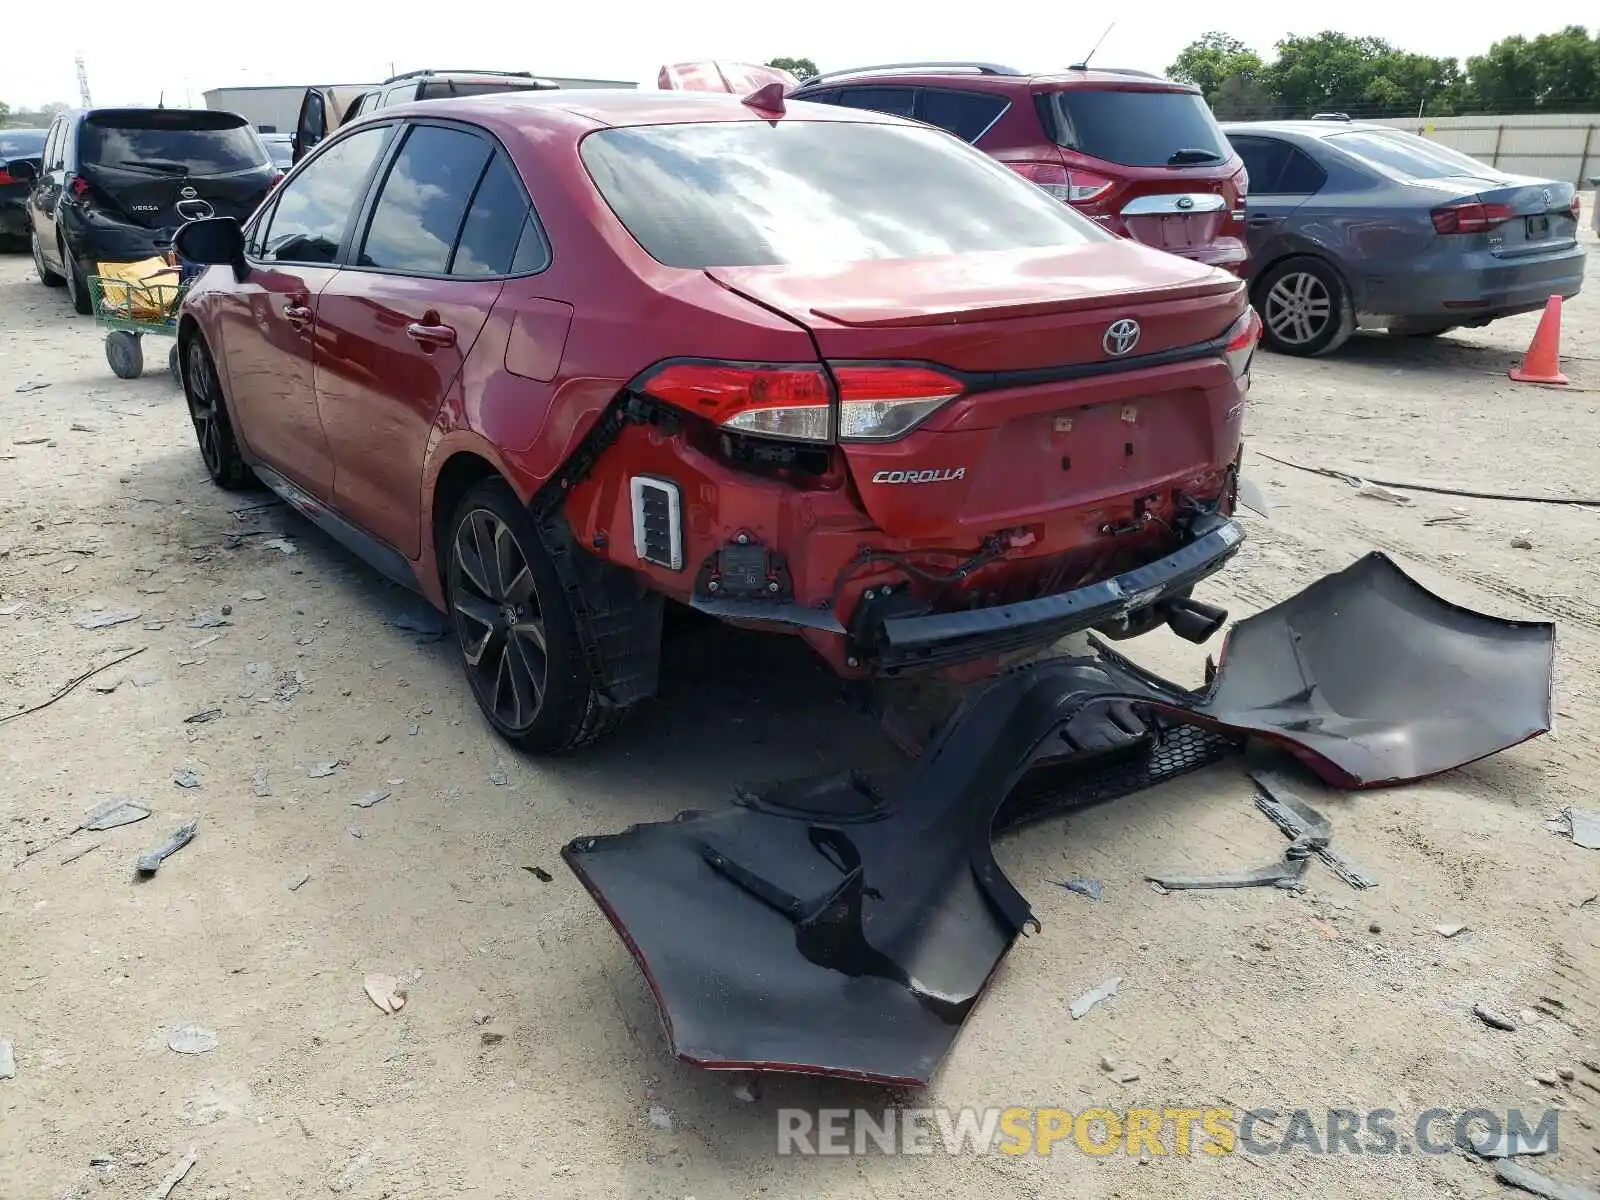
[(1538, 227)]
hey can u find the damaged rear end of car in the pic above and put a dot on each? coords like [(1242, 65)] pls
[(1000, 425)]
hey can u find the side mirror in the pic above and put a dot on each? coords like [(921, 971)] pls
[(213, 242), (21, 170)]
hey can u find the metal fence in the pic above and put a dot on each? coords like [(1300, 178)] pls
[(1564, 147)]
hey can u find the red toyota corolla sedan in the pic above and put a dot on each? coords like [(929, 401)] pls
[(556, 359)]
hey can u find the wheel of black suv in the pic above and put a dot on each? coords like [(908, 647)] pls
[(515, 627), (77, 282), (46, 276), (208, 409), (1305, 308)]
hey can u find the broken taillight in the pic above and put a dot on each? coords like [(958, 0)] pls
[(877, 403), (1242, 335)]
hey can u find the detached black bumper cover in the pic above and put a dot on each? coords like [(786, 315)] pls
[(942, 638), (824, 931)]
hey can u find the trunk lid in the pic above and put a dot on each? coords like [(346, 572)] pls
[(1533, 216), (1055, 420), (1002, 311)]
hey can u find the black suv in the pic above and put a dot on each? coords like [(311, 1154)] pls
[(116, 183)]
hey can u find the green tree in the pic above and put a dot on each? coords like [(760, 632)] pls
[(802, 68), (1555, 72), (1212, 60), (1364, 76)]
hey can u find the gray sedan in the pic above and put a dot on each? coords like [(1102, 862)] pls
[(1352, 224)]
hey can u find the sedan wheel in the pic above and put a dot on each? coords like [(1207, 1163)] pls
[(1305, 308), (1298, 308), (498, 620)]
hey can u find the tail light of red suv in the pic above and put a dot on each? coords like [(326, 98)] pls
[(877, 402), (1074, 186)]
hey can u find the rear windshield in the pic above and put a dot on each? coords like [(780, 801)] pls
[(1139, 129), (195, 142), (22, 144), (1407, 156), (753, 193)]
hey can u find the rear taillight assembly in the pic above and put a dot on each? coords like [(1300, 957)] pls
[(876, 402), (1577, 208), (1241, 183), (5, 177), (1469, 217), (1240, 348), (1074, 187)]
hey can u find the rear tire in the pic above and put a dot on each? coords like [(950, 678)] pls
[(46, 276), (125, 354), (1305, 308), (77, 283), (517, 633)]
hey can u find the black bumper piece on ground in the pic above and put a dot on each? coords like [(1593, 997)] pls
[(822, 930), (940, 639)]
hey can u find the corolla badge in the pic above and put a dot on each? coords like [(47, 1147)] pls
[(1121, 337)]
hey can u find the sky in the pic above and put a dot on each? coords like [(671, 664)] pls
[(628, 39)]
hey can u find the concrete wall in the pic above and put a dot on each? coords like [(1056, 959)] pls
[(1564, 147)]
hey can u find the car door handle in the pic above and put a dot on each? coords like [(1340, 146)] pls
[(1259, 220), (297, 315), (428, 335)]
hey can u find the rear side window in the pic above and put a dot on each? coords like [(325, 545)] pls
[(1278, 169), (1138, 128), (170, 141), (901, 102), (1407, 156), (968, 115), (749, 193), (441, 89), (500, 236), (315, 206), (424, 199)]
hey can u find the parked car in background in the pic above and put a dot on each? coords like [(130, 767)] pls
[(25, 146), (1139, 154), (280, 148), (1352, 223), (117, 182), (326, 109), (550, 358)]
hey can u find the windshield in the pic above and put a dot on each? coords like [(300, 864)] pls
[(1139, 128), (754, 193), (22, 143), (1408, 156), (175, 141)]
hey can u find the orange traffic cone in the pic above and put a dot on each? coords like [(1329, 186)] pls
[(1542, 363)]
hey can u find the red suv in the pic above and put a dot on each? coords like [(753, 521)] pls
[(1140, 154), (553, 359)]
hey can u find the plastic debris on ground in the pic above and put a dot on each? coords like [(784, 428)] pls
[(1094, 996)]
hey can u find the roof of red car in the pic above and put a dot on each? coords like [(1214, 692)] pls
[(598, 107)]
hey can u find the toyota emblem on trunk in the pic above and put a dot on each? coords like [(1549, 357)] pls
[(1121, 337), (188, 193)]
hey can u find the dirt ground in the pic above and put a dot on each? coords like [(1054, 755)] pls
[(264, 928)]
